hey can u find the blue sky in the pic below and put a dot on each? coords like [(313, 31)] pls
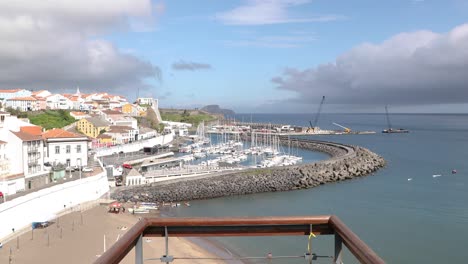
[(261, 56)]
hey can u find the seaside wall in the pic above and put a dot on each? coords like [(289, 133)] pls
[(346, 162), (135, 146), (22, 211)]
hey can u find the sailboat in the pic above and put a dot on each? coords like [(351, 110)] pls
[(390, 129)]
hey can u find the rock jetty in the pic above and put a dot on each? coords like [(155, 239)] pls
[(345, 162)]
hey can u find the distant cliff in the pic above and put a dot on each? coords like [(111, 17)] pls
[(215, 109)]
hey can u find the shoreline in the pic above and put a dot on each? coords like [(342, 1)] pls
[(79, 237), (345, 162)]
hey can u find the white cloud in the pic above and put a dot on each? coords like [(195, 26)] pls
[(58, 44), (410, 68), (263, 12)]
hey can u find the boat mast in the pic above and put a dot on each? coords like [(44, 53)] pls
[(388, 118)]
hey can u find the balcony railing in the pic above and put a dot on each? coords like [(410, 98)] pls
[(245, 226)]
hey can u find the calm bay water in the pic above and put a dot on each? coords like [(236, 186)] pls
[(424, 220)]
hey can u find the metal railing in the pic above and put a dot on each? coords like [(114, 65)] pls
[(242, 226)]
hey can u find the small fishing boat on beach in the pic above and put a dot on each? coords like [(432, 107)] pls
[(138, 211)]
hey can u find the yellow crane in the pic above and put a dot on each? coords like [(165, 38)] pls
[(346, 130)]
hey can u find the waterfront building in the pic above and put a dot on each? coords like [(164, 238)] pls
[(104, 140), (28, 103), (27, 159), (134, 178), (122, 134), (146, 132), (65, 147), (92, 126)]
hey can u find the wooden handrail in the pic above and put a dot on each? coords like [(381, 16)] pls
[(359, 249), (239, 226)]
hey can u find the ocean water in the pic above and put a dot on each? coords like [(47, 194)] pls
[(424, 220)]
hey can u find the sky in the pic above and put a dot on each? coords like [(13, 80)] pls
[(270, 56)]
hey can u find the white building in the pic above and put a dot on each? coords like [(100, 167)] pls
[(122, 134), (146, 101), (65, 147), (4, 162), (41, 93), (8, 94), (24, 155), (145, 133), (28, 103), (79, 115), (58, 101), (134, 178), (124, 121)]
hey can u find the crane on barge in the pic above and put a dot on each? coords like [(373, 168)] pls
[(345, 129), (390, 130), (313, 127)]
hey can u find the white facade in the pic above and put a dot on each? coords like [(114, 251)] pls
[(4, 162), (68, 151), (79, 115), (145, 133), (24, 153), (58, 101), (8, 94), (121, 120), (23, 103), (78, 103), (146, 101)]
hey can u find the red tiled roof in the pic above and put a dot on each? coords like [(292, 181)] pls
[(78, 113), (2, 142), (27, 98), (104, 136), (38, 92), (26, 137), (112, 112), (10, 91), (33, 130), (38, 98), (59, 133)]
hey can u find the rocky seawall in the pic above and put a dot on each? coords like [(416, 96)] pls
[(345, 162)]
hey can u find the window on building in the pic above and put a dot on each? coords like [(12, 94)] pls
[(57, 150), (78, 149), (68, 149)]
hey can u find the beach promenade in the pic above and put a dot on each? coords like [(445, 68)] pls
[(78, 238)]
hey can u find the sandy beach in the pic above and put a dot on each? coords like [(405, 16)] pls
[(79, 238)]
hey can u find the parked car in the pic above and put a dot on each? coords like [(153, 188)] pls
[(69, 168), (1, 195), (47, 164), (87, 169), (127, 166)]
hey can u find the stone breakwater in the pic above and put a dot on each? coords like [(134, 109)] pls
[(346, 162)]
